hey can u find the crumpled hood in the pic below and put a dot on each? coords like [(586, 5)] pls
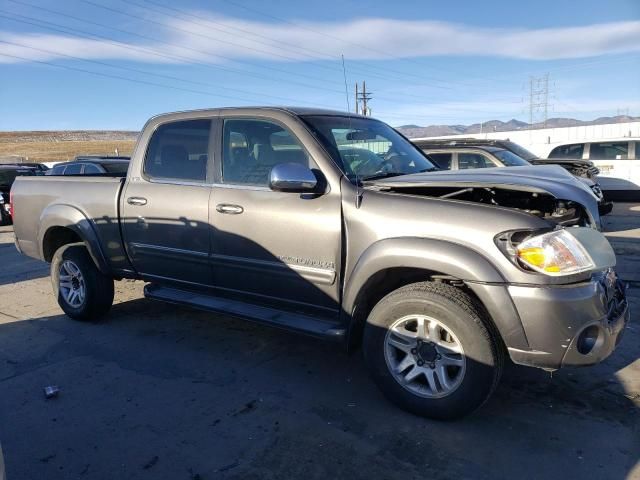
[(552, 179)]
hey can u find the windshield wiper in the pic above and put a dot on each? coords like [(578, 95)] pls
[(382, 175)]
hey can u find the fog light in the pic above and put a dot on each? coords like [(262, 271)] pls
[(587, 339)]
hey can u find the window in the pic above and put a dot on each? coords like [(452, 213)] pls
[(609, 151), (117, 168), (473, 160), (510, 159), (91, 169), (442, 160), (73, 169), (58, 170), (179, 151), (251, 148), (568, 151)]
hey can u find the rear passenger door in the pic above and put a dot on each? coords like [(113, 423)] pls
[(272, 245), (165, 211)]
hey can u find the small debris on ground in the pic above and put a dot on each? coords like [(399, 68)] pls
[(249, 406), (151, 463), (51, 391)]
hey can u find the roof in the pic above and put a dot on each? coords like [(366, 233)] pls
[(6, 166), (449, 146), (99, 160), (290, 109)]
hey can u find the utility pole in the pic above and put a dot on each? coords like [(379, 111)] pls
[(364, 97), (538, 99)]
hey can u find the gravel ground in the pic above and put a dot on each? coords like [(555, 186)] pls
[(163, 392)]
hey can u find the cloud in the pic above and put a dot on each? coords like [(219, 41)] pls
[(215, 38)]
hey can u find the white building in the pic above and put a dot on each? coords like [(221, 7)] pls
[(542, 141)]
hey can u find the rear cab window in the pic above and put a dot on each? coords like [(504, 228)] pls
[(179, 151)]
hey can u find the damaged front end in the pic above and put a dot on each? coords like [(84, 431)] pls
[(562, 212), (550, 192)]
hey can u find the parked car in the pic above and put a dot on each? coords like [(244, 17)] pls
[(469, 153), (618, 161), (8, 174), (273, 215), (92, 166)]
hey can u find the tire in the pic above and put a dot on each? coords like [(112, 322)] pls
[(96, 296), (444, 380)]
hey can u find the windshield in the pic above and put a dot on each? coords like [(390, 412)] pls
[(520, 151), (510, 159), (7, 177), (365, 148)]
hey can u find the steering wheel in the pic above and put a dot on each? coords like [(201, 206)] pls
[(384, 167)]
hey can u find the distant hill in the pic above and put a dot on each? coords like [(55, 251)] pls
[(413, 131), (58, 146)]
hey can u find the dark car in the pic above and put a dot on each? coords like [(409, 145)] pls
[(8, 174), (472, 153), (92, 166)]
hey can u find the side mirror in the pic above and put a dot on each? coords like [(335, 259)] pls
[(292, 177)]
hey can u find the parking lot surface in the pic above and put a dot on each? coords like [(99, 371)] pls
[(164, 392)]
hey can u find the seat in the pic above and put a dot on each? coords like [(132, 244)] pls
[(175, 163)]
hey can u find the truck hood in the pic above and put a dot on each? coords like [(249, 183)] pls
[(550, 179), (531, 182)]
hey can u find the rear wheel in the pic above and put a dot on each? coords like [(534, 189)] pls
[(432, 351), (83, 292)]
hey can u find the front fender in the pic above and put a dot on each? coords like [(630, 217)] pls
[(68, 216), (443, 257), (428, 254)]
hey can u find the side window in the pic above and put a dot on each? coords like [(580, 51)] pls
[(473, 160), (568, 151), (73, 169), (58, 170), (179, 151), (251, 148), (609, 151), (90, 169), (442, 160)]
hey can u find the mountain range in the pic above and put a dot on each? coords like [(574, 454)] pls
[(415, 131)]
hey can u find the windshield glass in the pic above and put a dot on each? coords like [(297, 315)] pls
[(510, 159), (521, 151), (365, 148)]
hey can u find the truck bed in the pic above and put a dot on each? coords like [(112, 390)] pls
[(93, 203)]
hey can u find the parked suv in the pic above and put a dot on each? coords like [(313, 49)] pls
[(470, 154), (92, 166), (618, 161), (334, 225)]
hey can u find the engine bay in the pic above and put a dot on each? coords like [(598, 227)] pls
[(561, 212)]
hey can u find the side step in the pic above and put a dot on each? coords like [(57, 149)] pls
[(298, 322)]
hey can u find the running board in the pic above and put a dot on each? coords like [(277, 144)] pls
[(298, 322)]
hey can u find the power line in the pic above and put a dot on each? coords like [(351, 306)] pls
[(147, 37), (154, 74)]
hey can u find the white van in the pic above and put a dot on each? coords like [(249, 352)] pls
[(617, 159)]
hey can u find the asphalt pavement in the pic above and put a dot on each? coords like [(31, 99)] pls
[(162, 392)]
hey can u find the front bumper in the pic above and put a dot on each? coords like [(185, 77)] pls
[(571, 325)]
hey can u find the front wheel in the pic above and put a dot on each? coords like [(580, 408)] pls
[(432, 351), (83, 291)]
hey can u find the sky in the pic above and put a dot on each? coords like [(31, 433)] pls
[(111, 64)]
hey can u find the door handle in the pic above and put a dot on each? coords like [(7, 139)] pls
[(136, 201), (229, 209)]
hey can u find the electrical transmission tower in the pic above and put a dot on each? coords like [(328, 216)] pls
[(362, 100), (538, 100)]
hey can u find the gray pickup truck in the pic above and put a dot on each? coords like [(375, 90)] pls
[(335, 225)]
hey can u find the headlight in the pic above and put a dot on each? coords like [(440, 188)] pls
[(555, 253)]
